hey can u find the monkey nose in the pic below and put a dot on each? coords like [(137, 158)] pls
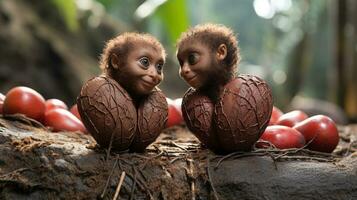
[(184, 70), (155, 76), (152, 71)]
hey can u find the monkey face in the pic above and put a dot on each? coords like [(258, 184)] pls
[(142, 70), (197, 62), (201, 65)]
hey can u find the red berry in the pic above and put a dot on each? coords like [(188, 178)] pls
[(276, 113), (291, 118), (174, 113), (74, 111), (63, 120), (55, 103), (321, 130), (282, 137), (26, 101)]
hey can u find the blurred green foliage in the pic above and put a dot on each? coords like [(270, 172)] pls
[(106, 3), (301, 47), (289, 44), (174, 15), (68, 10), (288, 49)]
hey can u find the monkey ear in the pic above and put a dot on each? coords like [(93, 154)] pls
[(114, 61), (221, 52)]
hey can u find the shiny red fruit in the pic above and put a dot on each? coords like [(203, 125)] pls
[(178, 103), (282, 137), (2, 98), (291, 118), (55, 103), (74, 111), (63, 120), (321, 130), (275, 115), (174, 113), (26, 101)]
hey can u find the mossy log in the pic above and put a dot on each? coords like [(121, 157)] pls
[(36, 163)]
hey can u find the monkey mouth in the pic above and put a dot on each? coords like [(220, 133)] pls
[(149, 84), (190, 79)]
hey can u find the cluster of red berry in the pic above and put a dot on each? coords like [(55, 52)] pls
[(53, 113), (296, 129)]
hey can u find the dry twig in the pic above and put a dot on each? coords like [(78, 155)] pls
[(108, 180), (122, 176)]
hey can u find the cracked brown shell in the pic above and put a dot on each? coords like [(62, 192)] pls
[(242, 112), (197, 111), (107, 111), (152, 117)]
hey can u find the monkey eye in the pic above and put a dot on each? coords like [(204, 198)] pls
[(159, 67), (192, 58), (145, 62)]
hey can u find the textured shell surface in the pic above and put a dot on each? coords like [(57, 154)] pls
[(197, 111), (152, 118), (108, 112), (242, 112)]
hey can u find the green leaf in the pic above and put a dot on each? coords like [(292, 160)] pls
[(174, 14), (68, 10), (106, 3)]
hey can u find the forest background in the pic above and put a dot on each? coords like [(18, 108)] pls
[(305, 49)]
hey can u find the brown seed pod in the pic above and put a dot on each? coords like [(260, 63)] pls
[(242, 112), (197, 111), (108, 112), (152, 117)]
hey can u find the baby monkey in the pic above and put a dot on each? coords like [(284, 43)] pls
[(123, 108), (135, 61), (208, 55), (226, 111)]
